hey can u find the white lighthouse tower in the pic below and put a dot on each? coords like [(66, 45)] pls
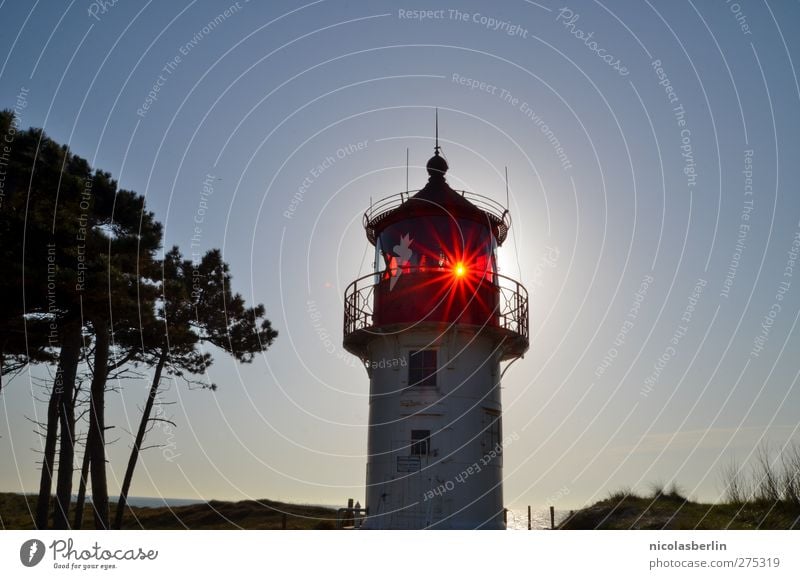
[(433, 324)]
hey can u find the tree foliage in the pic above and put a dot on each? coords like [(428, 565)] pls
[(81, 264)]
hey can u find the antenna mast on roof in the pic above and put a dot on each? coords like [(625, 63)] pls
[(507, 188), (406, 169), (437, 147)]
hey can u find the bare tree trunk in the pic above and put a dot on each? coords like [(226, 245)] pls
[(65, 377), (81, 500), (137, 444), (66, 414), (95, 442), (49, 455)]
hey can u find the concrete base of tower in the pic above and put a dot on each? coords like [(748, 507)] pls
[(435, 450)]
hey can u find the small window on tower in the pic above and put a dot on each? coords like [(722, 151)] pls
[(422, 368), (420, 442)]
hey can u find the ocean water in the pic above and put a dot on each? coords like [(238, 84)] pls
[(155, 502)]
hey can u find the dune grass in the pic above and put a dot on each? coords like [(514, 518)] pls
[(765, 496), (16, 512), (666, 509)]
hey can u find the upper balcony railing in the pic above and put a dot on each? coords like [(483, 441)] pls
[(383, 207)]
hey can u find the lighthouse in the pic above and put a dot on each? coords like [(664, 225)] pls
[(433, 323)]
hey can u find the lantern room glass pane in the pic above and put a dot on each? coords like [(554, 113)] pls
[(377, 263), (437, 243)]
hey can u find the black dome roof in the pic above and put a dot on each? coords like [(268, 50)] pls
[(437, 166), (437, 198)]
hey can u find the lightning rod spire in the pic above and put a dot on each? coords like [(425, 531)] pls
[(437, 147)]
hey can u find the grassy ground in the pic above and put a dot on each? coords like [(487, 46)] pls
[(621, 510), (16, 509), (661, 510)]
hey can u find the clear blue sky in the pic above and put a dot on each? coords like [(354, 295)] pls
[(625, 384)]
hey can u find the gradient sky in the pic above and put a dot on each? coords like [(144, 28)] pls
[(263, 98)]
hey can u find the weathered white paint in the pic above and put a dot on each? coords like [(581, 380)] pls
[(459, 484)]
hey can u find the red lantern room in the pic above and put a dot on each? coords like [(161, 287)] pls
[(436, 263)]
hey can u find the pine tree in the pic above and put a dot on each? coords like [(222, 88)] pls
[(196, 306)]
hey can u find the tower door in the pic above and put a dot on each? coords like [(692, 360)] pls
[(417, 455)]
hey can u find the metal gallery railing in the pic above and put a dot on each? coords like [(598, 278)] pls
[(512, 305)]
